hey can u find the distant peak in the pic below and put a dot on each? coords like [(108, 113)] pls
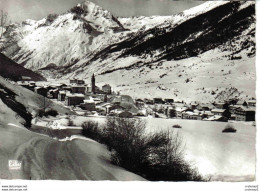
[(86, 7)]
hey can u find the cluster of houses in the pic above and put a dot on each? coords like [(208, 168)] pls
[(90, 98), (219, 111)]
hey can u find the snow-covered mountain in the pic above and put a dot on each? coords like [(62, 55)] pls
[(61, 39), (208, 50)]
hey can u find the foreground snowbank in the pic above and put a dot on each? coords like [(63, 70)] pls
[(45, 158)]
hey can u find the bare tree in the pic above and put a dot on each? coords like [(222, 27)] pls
[(3, 22)]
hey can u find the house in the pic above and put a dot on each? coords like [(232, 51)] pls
[(222, 112), (206, 114), (125, 114), (53, 94), (193, 105), (142, 112), (126, 102), (107, 88), (191, 115), (61, 96), (139, 103), (241, 103), (245, 114), (205, 107), (115, 109), (67, 88), (89, 105), (80, 82), (73, 81), (23, 84), (32, 83), (217, 118), (179, 111), (218, 111), (170, 111), (104, 107), (220, 105), (41, 90), (97, 100), (78, 89), (28, 85), (158, 101), (169, 101), (88, 89), (148, 101), (251, 103), (74, 99)]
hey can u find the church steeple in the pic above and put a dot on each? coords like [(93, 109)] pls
[(93, 83)]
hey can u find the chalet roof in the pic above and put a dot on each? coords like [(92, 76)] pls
[(213, 118), (76, 95), (180, 109), (106, 85), (240, 102), (77, 86), (218, 110), (189, 113), (37, 88), (235, 106), (89, 101), (220, 103), (103, 104), (243, 108), (55, 85), (62, 92)]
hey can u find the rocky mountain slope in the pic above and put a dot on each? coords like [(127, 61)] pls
[(209, 49), (11, 70)]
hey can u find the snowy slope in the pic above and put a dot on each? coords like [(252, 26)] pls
[(45, 158)]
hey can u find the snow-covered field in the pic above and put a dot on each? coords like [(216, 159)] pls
[(224, 156)]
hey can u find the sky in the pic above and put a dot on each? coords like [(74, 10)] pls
[(20, 10)]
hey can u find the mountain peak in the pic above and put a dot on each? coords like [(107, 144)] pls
[(91, 9), (93, 13), (88, 7)]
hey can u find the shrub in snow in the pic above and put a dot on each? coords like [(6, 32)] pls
[(90, 129), (155, 156), (176, 126), (229, 129)]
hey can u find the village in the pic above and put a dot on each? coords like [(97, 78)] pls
[(90, 100)]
